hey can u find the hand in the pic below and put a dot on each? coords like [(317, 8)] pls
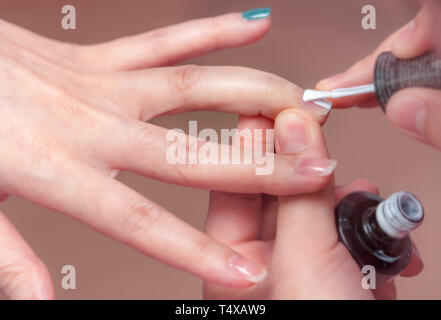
[(295, 236), (416, 111), (72, 116)]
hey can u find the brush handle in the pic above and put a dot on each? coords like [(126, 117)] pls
[(392, 74)]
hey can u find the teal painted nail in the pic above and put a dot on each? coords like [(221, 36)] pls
[(257, 14)]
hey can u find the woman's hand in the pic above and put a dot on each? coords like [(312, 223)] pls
[(295, 236), (72, 116), (416, 111)]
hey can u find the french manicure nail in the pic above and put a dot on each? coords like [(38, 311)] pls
[(315, 108), (292, 136), (247, 269), (315, 167), (408, 113), (256, 14)]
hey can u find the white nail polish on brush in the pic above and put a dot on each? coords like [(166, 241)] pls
[(390, 75), (318, 96)]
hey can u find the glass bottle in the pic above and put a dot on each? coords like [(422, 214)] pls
[(376, 230)]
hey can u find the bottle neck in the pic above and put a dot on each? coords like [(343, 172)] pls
[(391, 220), (372, 232), (399, 214)]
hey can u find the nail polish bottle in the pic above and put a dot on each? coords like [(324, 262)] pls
[(376, 230)]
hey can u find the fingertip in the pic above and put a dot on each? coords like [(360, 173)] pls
[(330, 83), (412, 40), (245, 272), (257, 14), (244, 31), (407, 112), (357, 185), (43, 287), (416, 264), (364, 185)]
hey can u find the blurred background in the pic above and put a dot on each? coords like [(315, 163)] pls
[(308, 40)]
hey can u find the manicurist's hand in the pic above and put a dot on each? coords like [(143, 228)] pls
[(416, 111), (72, 116), (294, 236)]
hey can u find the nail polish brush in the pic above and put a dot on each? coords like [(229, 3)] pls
[(390, 75)]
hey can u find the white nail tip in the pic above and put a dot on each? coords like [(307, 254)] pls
[(323, 103), (258, 278), (319, 97)]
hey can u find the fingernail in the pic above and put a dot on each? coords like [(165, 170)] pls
[(316, 108), (247, 269), (405, 35), (256, 14), (407, 113), (316, 167), (292, 135)]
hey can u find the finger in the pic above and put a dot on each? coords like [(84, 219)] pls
[(360, 73), (3, 196), (236, 218), (416, 264), (268, 227), (22, 274), (357, 185), (238, 90), (176, 158), (295, 222), (419, 35), (417, 112), (306, 233), (119, 212), (386, 292), (167, 46), (36, 45)]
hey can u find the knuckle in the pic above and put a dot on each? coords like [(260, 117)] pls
[(12, 276), (184, 79), (140, 217), (183, 173)]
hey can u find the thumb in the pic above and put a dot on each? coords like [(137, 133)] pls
[(417, 112), (304, 217), (306, 252)]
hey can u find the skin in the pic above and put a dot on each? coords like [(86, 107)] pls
[(294, 235), (415, 111), (72, 117)]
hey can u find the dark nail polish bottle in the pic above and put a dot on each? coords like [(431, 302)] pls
[(376, 230)]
